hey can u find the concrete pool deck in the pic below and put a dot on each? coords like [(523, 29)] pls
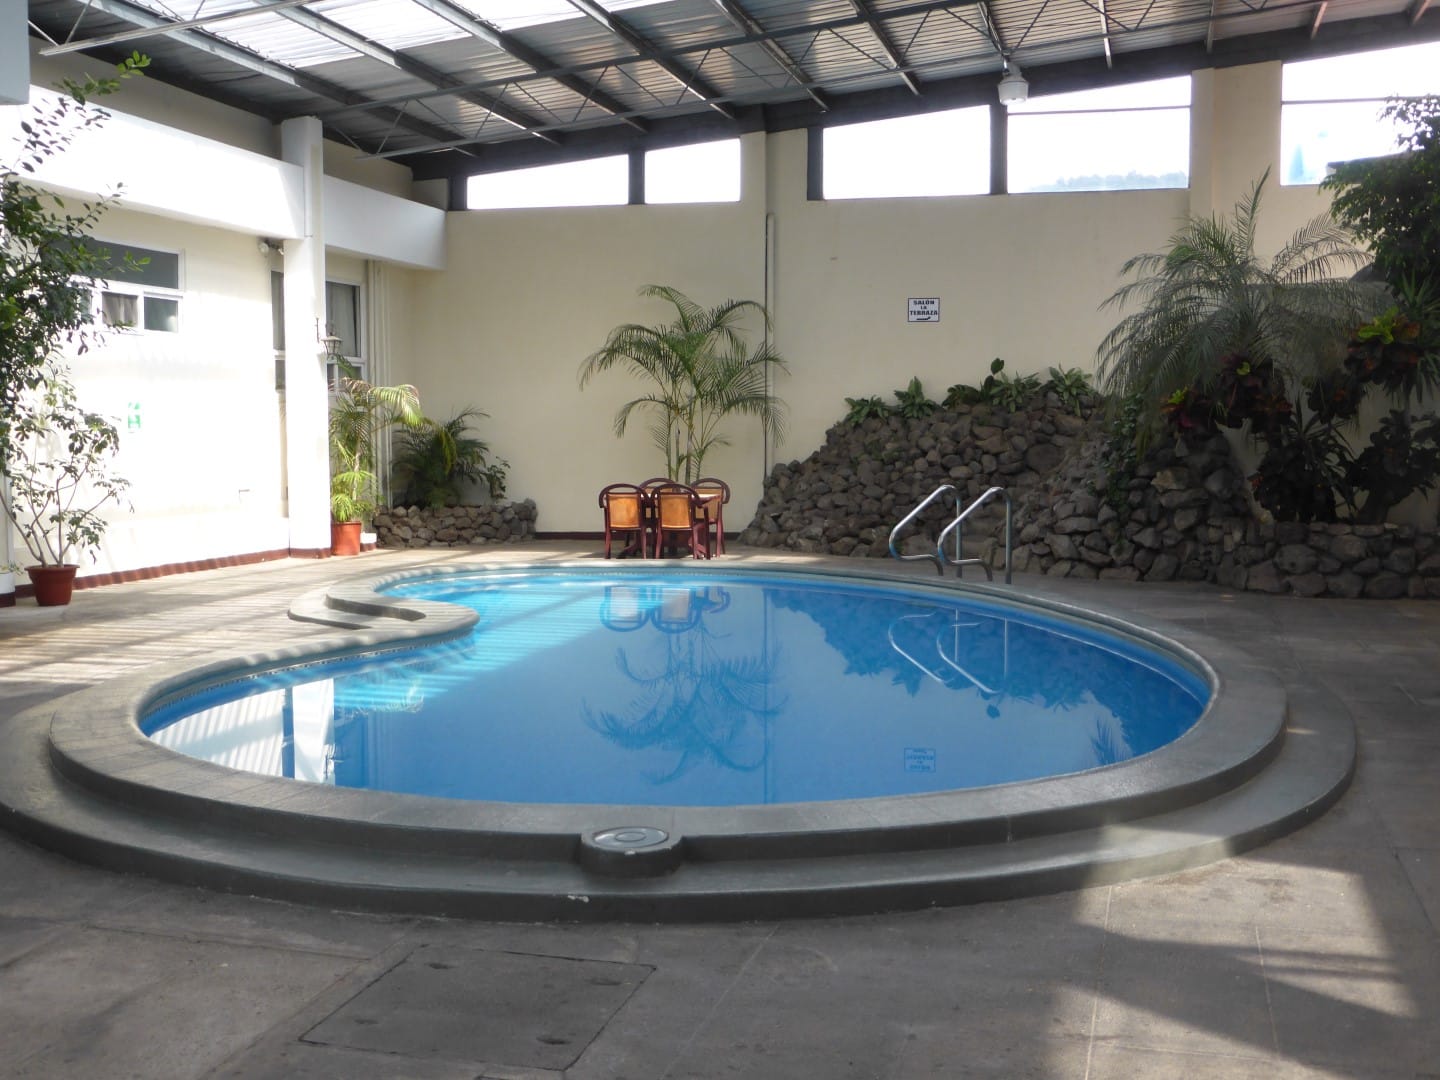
[(1316, 955)]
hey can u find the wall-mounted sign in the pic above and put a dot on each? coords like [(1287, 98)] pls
[(923, 309)]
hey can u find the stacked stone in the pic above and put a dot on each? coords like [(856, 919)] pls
[(455, 526), (845, 498), (1181, 517), (1184, 516), (1382, 562)]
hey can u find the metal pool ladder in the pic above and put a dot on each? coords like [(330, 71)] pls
[(956, 527)]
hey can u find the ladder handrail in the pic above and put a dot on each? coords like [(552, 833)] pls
[(939, 560), (958, 528)]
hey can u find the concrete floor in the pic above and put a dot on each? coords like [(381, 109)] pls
[(1316, 956)]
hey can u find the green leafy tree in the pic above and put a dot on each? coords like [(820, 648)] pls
[(1393, 203), (700, 371), (48, 265), (1208, 295)]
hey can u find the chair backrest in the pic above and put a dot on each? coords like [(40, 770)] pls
[(622, 506), (709, 483), (675, 506)]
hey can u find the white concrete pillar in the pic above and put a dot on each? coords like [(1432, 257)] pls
[(14, 53), (307, 462)]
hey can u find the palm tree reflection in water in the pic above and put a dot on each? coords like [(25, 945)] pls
[(692, 699)]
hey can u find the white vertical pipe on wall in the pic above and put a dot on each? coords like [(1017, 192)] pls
[(307, 462)]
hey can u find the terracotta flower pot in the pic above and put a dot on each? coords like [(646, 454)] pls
[(345, 538), (53, 584)]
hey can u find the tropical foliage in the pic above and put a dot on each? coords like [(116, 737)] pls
[(433, 461), (1209, 295), (911, 402), (699, 370), (359, 415)]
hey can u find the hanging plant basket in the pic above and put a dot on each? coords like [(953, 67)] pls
[(53, 584)]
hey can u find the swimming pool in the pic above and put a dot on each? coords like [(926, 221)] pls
[(721, 689), (81, 778)]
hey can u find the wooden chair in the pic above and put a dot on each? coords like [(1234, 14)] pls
[(624, 513), (677, 511), (713, 507)]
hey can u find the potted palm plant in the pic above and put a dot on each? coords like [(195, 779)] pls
[(59, 478), (698, 370), (359, 414)]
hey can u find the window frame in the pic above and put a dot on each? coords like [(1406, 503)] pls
[(138, 291)]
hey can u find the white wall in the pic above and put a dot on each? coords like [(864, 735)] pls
[(204, 461), (528, 294)]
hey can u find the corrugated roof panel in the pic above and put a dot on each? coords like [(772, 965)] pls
[(470, 60), (277, 38), (396, 24), (681, 23), (512, 14)]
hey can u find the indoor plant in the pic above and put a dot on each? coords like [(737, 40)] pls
[(434, 463), (700, 371), (59, 477), (359, 414)]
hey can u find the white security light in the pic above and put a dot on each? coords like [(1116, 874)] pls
[(1013, 86)]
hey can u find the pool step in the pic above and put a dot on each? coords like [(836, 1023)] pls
[(1311, 770)]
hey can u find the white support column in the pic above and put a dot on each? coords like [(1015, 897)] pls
[(14, 54), (307, 462)]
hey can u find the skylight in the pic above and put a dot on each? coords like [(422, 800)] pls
[(393, 24)]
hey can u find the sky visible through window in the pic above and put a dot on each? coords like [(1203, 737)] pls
[(944, 153), (1332, 107), (1108, 139), (700, 172), (597, 182)]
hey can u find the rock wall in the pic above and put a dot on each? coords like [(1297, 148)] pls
[(1184, 516), (455, 526), (845, 498)]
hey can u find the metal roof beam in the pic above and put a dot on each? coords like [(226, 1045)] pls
[(1318, 17), (741, 18), (168, 28), (1417, 11), (1210, 28), (343, 35), (1105, 30), (992, 29), (533, 58), (887, 46), (244, 58), (690, 81), (924, 7)]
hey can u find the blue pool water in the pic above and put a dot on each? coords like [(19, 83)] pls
[(714, 689)]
